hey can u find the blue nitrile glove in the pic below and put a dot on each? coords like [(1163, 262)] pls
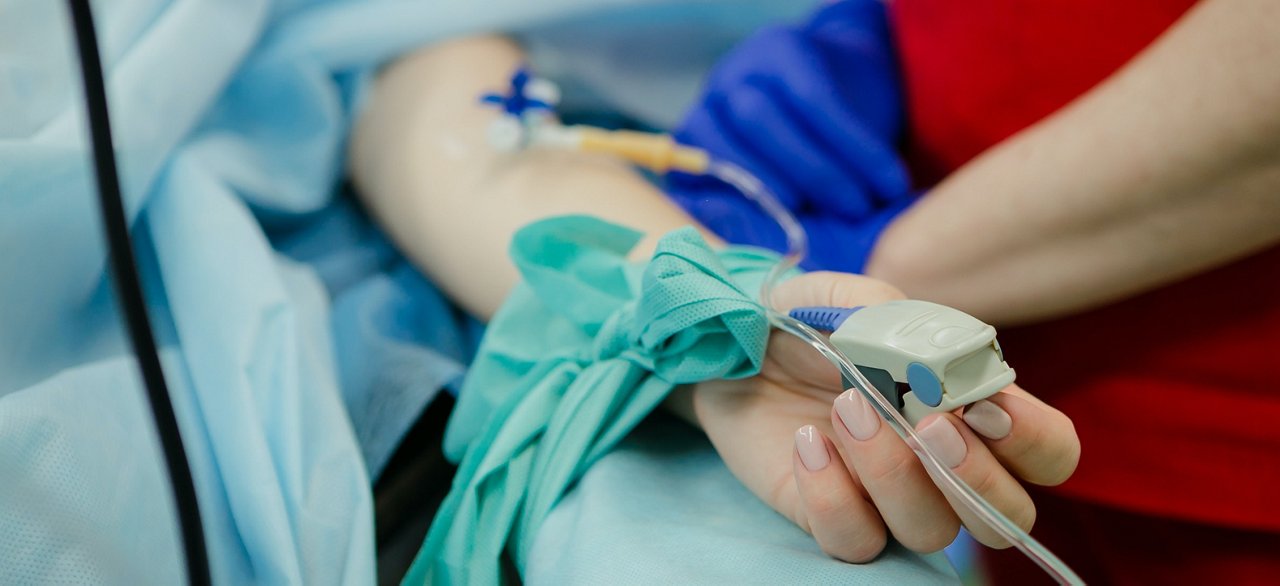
[(836, 243), (813, 110)]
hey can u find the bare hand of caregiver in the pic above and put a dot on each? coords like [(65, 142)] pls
[(1169, 168), (421, 164)]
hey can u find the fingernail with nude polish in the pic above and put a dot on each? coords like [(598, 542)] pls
[(945, 442), (988, 419), (857, 415), (812, 450)]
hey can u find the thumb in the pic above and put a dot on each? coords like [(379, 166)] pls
[(794, 356), (825, 288)]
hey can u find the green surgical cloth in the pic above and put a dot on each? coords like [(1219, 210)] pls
[(584, 349)]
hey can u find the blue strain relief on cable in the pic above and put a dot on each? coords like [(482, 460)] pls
[(824, 319)]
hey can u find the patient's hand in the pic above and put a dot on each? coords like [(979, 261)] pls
[(780, 435)]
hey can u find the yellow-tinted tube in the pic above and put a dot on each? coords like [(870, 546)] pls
[(657, 152)]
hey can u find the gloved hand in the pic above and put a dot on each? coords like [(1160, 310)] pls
[(836, 243), (812, 110)]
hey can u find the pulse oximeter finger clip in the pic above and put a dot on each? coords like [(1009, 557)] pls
[(923, 357)]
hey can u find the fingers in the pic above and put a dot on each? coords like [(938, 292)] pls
[(1008, 436), (918, 515), (964, 452), (792, 152), (844, 524), (729, 215), (915, 512), (1034, 440), (871, 158), (710, 127)]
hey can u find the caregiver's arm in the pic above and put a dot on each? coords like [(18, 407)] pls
[(420, 162), (1168, 169)]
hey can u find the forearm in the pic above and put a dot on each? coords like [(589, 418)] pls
[(1169, 168), (421, 164)]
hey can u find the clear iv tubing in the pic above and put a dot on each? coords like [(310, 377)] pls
[(797, 248)]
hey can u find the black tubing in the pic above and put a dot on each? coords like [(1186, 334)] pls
[(129, 289)]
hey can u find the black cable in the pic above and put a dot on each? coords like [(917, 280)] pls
[(129, 288)]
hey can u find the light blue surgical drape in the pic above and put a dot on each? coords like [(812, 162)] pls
[(298, 346)]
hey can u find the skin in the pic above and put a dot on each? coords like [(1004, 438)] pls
[(1169, 168), (1182, 149), (420, 163), (875, 487)]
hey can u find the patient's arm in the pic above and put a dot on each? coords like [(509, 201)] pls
[(420, 162)]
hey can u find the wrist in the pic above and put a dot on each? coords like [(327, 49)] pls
[(680, 402)]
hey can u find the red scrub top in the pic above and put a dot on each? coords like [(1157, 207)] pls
[(1175, 393)]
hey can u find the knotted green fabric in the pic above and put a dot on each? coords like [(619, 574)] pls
[(582, 351)]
